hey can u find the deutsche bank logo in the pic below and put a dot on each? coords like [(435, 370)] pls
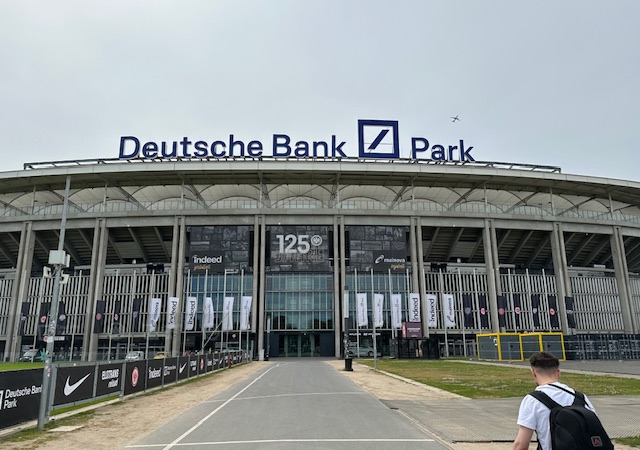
[(378, 139)]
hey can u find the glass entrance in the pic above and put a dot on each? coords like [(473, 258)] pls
[(299, 344)]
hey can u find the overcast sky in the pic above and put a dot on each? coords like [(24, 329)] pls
[(538, 82)]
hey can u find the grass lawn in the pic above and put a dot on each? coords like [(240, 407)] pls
[(487, 381), (7, 367)]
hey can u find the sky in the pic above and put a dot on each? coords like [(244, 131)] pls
[(547, 82)]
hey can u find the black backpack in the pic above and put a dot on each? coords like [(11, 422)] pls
[(574, 427)]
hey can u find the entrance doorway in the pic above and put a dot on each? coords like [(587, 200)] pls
[(299, 344)]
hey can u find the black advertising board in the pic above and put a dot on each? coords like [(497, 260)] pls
[(210, 362), (73, 384), (109, 379), (170, 371), (154, 373), (19, 396), (135, 376), (183, 368), (299, 248), (193, 366), (380, 248), (202, 364), (219, 248)]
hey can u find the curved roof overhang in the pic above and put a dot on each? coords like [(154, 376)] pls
[(127, 173)]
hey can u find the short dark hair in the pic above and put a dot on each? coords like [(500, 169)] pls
[(544, 361)]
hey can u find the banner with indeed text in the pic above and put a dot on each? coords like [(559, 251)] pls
[(173, 305), (432, 310), (190, 313), (414, 308)]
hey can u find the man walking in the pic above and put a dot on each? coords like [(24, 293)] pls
[(533, 414)]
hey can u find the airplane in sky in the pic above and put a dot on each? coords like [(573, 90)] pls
[(454, 118)]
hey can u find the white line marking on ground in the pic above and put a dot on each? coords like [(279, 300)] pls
[(193, 428), (273, 441)]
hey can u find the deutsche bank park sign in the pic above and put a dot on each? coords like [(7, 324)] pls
[(377, 139)]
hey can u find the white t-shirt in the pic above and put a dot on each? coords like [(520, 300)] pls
[(534, 414)]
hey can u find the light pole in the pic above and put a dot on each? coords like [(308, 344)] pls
[(59, 259)]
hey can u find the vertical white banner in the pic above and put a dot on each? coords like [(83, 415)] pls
[(154, 313), (361, 306), (172, 310), (449, 311), (414, 307), (396, 311), (190, 313), (432, 310), (245, 312), (227, 314), (207, 313), (378, 303)]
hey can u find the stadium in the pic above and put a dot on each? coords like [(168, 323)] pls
[(292, 254)]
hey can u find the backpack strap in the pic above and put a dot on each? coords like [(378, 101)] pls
[(579, 396), (544, 399)]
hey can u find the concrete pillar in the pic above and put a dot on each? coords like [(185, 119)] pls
[(261, 274), (490, 257), (19, 290), (338, 286), (255, 264), (619, 258), (421, 278), (170, 339), (563, 284), (176, 347), (96, 283)]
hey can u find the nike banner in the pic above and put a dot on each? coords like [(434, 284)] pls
[(361, 310), (378, 303), (190, 313), (73, 384), (415, 314), (227, 314), (432, 310), (98, 323), (115, 323), (173, 306), (183, 368), (448, 306), (396, 311), (245, 312), (154, 313)]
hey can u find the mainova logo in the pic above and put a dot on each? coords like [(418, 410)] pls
[(376, 139)]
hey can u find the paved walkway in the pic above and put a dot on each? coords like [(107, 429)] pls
[(466, 420)]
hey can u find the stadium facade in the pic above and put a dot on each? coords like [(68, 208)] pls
[(285, 255)]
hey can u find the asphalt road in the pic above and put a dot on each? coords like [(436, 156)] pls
[(293, 404)]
